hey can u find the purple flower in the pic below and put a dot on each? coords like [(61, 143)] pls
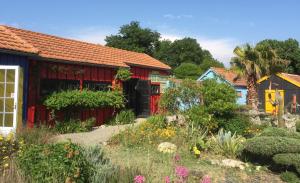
[(167, 179), (182, 172), (139, 179), (206, 179)]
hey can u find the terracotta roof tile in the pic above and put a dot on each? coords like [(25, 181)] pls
[(54, 47), (230, 76)]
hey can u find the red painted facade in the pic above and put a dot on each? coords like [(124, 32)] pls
[(38, 70)]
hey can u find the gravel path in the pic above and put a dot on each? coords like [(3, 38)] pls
[(98, 136)]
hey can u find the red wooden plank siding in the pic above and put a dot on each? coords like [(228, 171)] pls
[(51, 70)]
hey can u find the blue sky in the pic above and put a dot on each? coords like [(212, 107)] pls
[(218, 25)]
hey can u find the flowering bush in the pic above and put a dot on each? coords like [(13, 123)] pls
[(8, 147), (54, 163), (145, 133)]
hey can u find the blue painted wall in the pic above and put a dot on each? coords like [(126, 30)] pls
[(8, 59), (210, 74)]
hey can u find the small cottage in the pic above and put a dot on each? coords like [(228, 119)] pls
[(33, 65), (228, 76), (282, 85)]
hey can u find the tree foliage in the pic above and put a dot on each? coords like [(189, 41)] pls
[(287, 50), (134, 38), (187, 71)]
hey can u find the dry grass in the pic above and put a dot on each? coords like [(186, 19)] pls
[(11, 174), (156, 166)]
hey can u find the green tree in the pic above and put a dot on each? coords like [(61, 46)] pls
[(286, 50), (134, 38), (248, 63), (188, 71), (253, 62), (181, 51)]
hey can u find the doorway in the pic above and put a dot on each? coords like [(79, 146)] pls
[(137, 94), (9, 77)]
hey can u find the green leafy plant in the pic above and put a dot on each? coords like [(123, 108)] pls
[(159, 121), (280, 132), (55, 163), (123, 117), (103, 170), (84, 99), (218, 98), (228, 144), (123, 74), (298, 126), (288, 159), (199, 118), (289, 177), (237, 123), (75, 126), (269, 146)]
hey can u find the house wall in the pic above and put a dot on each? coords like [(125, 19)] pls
[(280, 84), (9, 59), (241, 100)]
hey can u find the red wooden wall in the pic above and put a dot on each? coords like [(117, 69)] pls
[(52, 70)]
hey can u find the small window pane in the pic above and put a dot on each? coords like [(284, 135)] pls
[(1, 120), (9, 105), (10, 88), (8, 120), (2, 75), (10, 75), (1, 105), (2, 89)]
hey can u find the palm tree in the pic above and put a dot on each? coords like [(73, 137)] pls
[(248, 64), (252, 63)]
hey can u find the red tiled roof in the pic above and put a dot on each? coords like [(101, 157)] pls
[(230, 76), (53, 47)]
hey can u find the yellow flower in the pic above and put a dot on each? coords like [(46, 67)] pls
[(5, 165), (197, 152)]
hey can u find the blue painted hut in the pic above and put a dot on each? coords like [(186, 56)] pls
[(230, 77)]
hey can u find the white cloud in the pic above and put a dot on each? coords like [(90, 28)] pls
[(171, 16), (221, 49), (92, 34)]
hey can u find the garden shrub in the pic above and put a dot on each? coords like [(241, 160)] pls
[(298, 126), (102, 170), (181, 97), (288, 159), (237, 123), (269, 146), (144, 134), (198, 117), (84, 99), (75, 126), (280, 132), (159, 121), (54, 163), (218, 98), (123, 117), (289, 177)]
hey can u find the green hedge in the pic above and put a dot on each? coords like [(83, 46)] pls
[(289, 177), (84, 99), (54, 163), (269, 146), (288, 159), (280, 132)]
